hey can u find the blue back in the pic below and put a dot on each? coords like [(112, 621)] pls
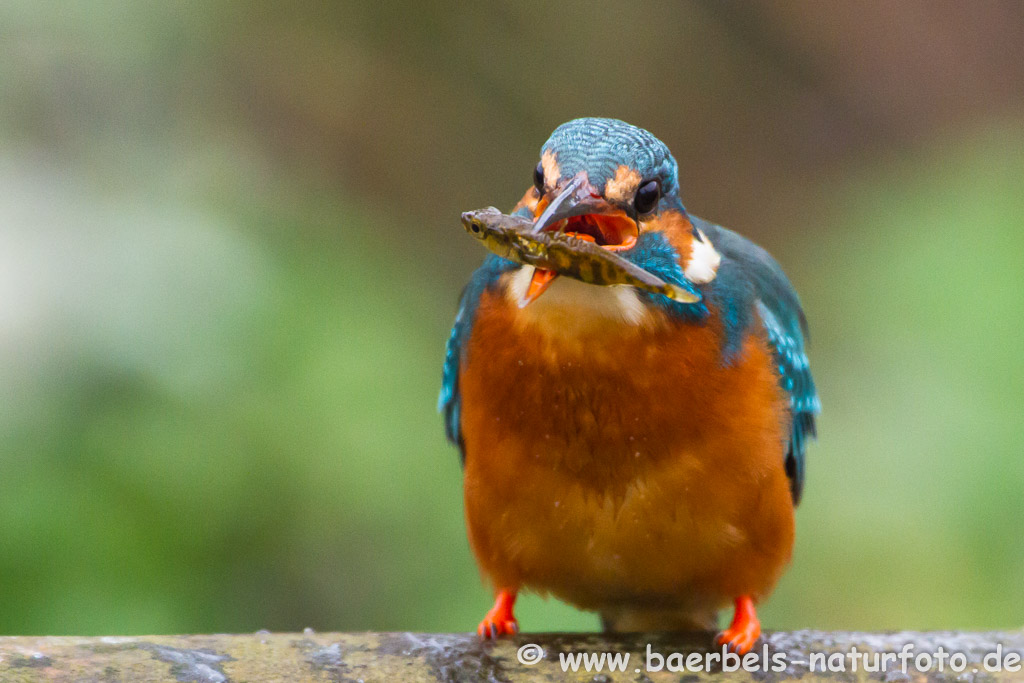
[(751, 288)]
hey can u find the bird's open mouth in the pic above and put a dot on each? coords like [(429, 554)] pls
[(579, 209), (613, 232)]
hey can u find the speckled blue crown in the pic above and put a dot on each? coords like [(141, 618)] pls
[(600, 146)]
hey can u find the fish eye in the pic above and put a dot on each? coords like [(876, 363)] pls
[(474, 227), (538, 178), (647, 196)]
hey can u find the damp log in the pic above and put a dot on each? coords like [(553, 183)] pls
[(411, 657)]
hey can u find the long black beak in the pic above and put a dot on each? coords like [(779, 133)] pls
[(577, 198)]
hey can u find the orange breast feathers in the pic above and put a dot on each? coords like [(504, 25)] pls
[(624, 463)]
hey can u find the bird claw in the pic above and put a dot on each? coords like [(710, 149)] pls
[(491, 628), (500, 620), (739, 642), (744, 630)]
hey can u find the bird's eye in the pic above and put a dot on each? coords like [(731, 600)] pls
[(647, 196), (538, 178)]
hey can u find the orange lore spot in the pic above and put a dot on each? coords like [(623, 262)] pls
[(533, 201), (623, 185), (552, 173)]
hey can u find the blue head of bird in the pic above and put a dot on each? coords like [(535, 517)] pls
[(617, 184)]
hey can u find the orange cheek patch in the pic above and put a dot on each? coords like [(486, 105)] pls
[(541, 204), (677, 230), (551, 170), (530, 200)]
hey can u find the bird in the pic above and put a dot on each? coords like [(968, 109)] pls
[(626, 453)]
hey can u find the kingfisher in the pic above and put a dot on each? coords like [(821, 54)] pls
[(627, 453)]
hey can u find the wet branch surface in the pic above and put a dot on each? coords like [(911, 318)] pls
[(415, 657)]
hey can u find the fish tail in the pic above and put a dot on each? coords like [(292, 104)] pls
[(683, 295)]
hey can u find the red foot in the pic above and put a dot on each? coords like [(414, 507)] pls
[(500, 621), (744, 630)]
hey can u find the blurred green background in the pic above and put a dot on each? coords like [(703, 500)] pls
[(229, 260)]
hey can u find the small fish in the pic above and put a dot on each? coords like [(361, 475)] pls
[(512, 237)]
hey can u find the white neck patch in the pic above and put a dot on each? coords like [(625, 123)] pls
[(569, 306), (704, 261)]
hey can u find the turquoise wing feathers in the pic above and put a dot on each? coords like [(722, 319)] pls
[(754, 283), (449, 401)]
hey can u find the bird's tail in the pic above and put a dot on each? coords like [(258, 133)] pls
[(632, 619)]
